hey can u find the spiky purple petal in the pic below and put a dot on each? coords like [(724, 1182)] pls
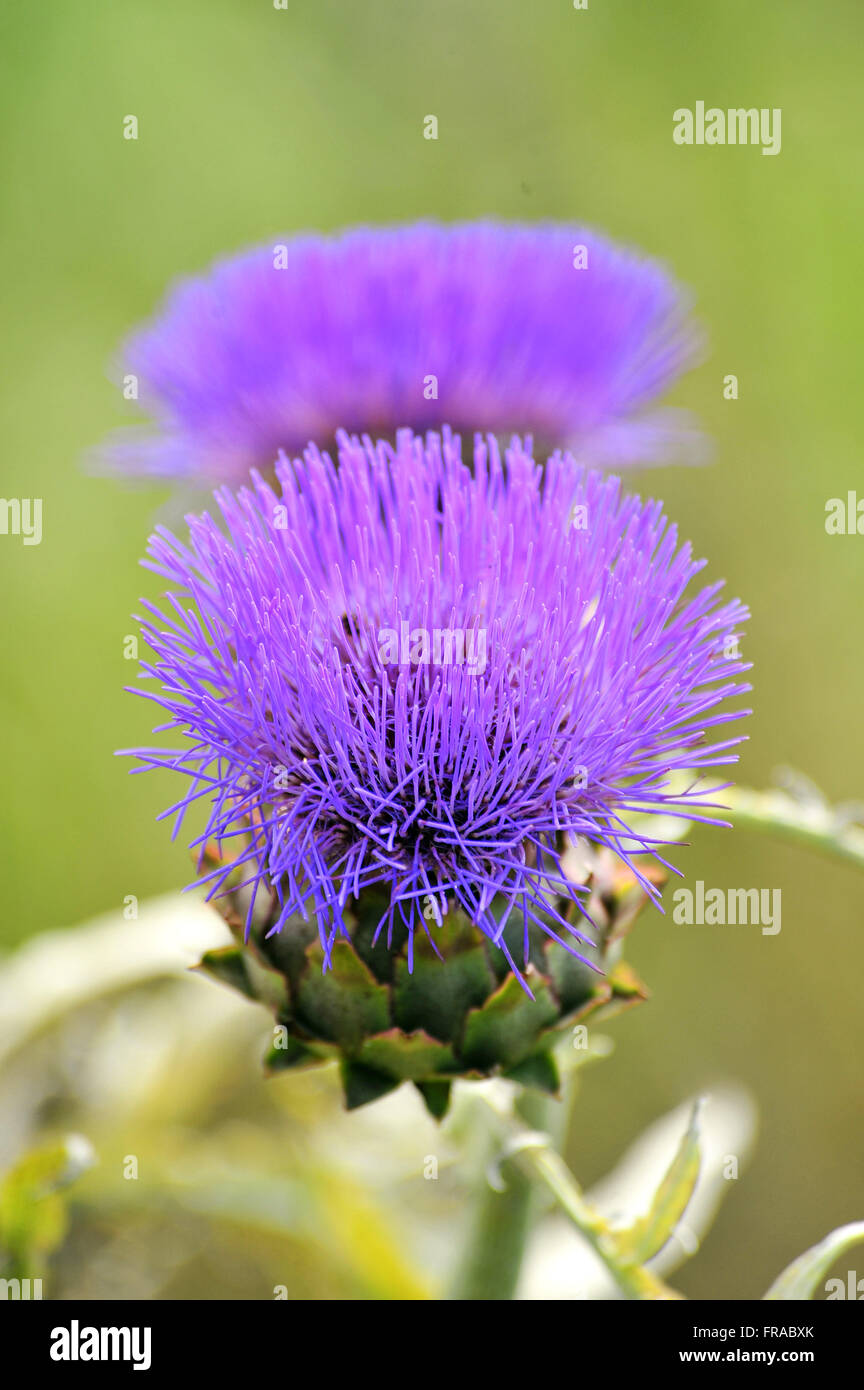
[(482, 326), (603, 677)]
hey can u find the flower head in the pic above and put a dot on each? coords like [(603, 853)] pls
[(547, 330), (411, 676)]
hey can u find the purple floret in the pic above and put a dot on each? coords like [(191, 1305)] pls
[(344, 755), (480, 326)]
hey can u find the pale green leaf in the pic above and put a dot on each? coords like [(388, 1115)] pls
[(651, 1232), (800, 1280)]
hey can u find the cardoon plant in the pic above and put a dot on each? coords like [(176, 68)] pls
[(549, 331), (423, 702), (444, 717)]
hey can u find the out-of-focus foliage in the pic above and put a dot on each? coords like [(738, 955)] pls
[(807, 1275), (194, 1174), (650, 1233), (146, 1155), (33, 1219), (208, 1179)]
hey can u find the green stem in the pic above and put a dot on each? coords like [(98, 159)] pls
[(493, 1258), (503, 1215), (544, 1164), (814, 824), (526, 1157)]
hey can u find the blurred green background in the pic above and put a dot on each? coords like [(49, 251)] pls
[(256, 122)]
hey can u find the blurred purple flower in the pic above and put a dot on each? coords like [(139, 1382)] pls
[(348, 760), (480, 327)]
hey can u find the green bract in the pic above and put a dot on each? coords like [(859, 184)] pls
[(463, 1014)]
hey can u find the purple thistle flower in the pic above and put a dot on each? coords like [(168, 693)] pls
[(480, 327), (342, 748)]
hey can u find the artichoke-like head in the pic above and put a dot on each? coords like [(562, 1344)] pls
[(457, 1011), (408, 687)]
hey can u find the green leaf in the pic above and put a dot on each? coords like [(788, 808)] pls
[(800, 1280), (238, 967), (436, 1095), (230, 966), (651, 1232), (362, 1085), (32, 1211), (575, 983), (437, 994), (344, 1004), (288, 1053), (513, 936), (507, 1027), (377, 949), (611, 995), (407, 1056), (540, 1070)]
